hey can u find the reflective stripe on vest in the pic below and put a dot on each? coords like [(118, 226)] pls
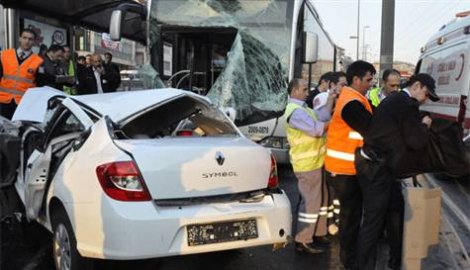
[(17, 78), (342, 140), (13, 92), (306, 153)]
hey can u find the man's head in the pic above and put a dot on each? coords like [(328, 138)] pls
[(67, 53), (360, 76), (324, 82), (338, 81), (298, 89), (96, 60), (422, 86), (88, 60), (108, 57), (55, 52), (27, 38), (391, 81), (81, 60)]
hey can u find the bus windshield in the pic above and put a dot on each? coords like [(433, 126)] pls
[(235, 52)]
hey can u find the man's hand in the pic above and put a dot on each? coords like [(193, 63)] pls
[(427, 121)]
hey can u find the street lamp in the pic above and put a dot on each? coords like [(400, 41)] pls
[(357, 52), (364, 42), (357, 34)]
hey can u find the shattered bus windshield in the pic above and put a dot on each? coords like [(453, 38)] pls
[(235, 52)]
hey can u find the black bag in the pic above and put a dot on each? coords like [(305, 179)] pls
[(445, 153)]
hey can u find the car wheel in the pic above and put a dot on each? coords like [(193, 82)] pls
[(64, 245)]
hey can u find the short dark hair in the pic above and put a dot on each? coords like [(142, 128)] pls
[(328, 76), (294, 83), (359, 69), (55, 48), (110, 55), (29, 30), (336, 75), (81, 58), (388, 72)]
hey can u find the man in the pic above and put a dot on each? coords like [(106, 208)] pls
[(305, 136), (97, 78), (350, 119), (337, 82), (51, 67), (108, 62), (395, 127), (18, 70), (323, 86), (390, 82), (394, 216)]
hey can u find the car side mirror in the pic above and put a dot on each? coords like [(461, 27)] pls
[(118, 17)]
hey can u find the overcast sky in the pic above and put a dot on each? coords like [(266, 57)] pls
[(415, 22)]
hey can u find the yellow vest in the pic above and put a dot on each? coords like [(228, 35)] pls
[(374, 96), (306, 153)]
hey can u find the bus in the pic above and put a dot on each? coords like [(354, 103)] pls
[(240, 54)]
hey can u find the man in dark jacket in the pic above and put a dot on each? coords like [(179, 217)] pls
[(97, 78), (395, 127), (51, 68), (108, 63)]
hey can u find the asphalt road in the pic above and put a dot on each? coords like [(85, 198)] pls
[(26, 246)]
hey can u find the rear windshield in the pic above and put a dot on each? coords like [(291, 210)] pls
[(183, 116)]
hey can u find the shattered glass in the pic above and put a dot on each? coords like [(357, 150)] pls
[(254, 80)]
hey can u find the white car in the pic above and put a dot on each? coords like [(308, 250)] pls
[(143, 174)]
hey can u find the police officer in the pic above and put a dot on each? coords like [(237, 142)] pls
[(18, 69), (390, 82), (350, 119), (306, 138), (395, 127)]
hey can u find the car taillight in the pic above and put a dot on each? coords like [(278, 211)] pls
[(273, 179), (184, 133), (122, 181)]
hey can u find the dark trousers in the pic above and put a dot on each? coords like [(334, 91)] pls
[(8, 109), (349, 194), (394, 224), (375, 182)]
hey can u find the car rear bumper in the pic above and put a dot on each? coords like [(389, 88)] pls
[(144, 230)]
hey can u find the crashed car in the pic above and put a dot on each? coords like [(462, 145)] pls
[(143, 174)]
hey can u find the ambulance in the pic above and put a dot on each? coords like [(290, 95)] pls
[(446, 57)]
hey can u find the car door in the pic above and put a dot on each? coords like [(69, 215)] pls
[(67, 124)]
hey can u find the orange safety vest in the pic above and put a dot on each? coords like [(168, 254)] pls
[(17, 78), (342, 140)]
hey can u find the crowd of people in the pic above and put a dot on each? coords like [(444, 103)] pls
[(351, 133), (56, 66)]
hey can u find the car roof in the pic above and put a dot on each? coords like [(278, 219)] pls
[(118, 105)]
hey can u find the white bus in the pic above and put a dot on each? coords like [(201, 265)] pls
[(241, 54)]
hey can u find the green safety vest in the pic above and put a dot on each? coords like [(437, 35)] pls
[(374, 96), (306, 153)]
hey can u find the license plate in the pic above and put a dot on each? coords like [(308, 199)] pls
[(202, 234)]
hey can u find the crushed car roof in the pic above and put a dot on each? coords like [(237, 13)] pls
[(118, 106)]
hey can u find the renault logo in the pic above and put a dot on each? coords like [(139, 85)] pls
[(219, 157)]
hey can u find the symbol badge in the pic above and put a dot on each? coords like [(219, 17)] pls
[(219, 157)]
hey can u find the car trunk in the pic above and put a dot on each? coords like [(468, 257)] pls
[(190, 167)]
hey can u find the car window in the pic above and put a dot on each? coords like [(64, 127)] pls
[(184, 116), (65, 124)]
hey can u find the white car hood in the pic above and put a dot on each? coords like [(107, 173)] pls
[(130, 102), (33, 105)]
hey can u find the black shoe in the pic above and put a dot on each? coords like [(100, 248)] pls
[(308, 248), (322, 240)]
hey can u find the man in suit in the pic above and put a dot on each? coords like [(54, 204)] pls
[(97, 78), (108, 63), (395, 127)]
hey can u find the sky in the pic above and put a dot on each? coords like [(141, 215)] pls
[(415, 22)]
